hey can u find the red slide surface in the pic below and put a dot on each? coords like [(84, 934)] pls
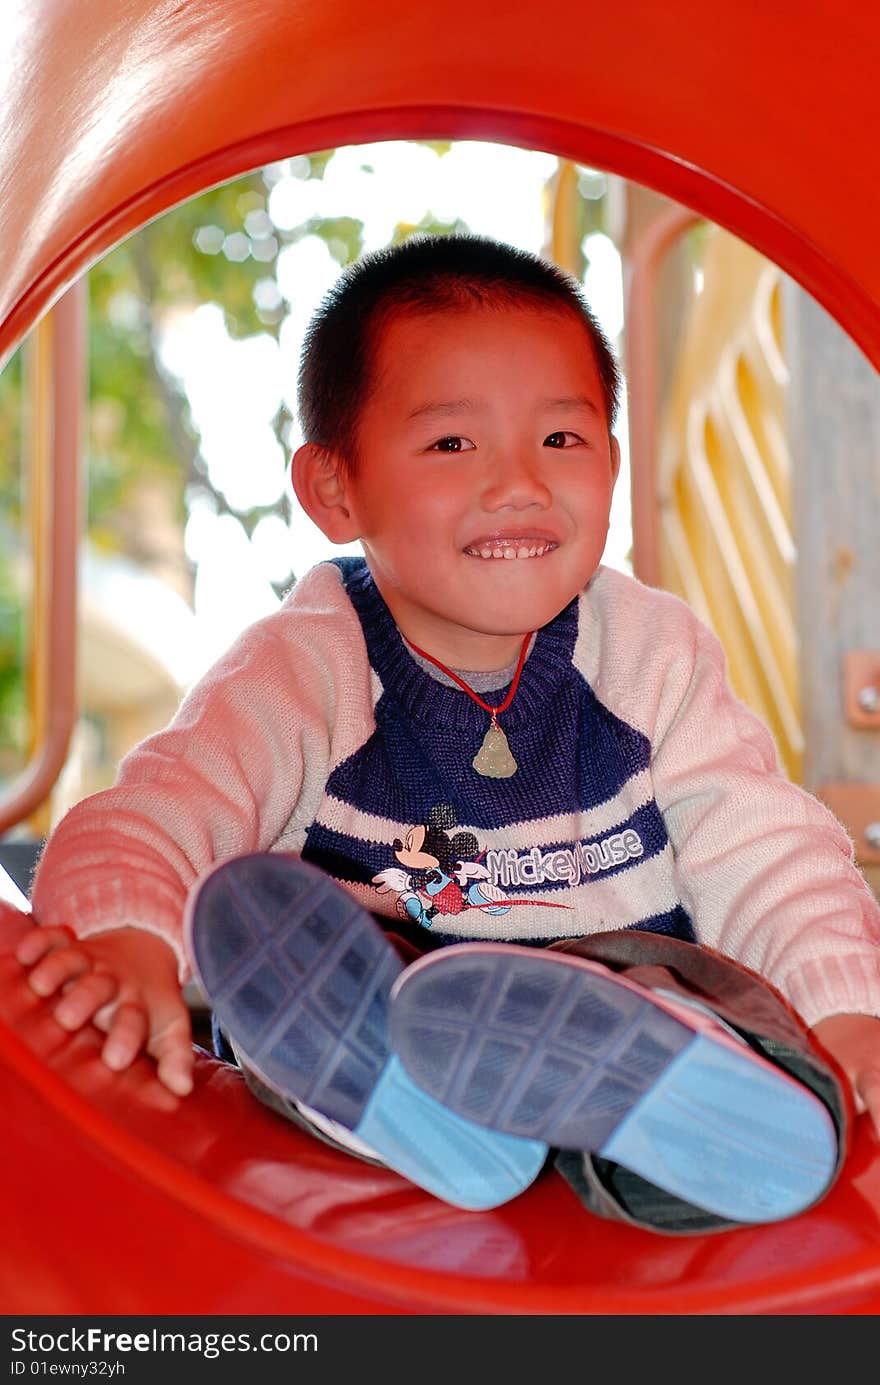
[(120, 1198)]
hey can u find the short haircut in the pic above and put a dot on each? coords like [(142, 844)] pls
[(423, 274)]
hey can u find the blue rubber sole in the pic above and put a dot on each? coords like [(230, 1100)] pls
[(299, 976), (541, 1046)]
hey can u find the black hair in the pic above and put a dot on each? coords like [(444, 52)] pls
[(423, 274)]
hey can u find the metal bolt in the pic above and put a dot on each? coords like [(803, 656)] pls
[(872, 835), (869, 699)]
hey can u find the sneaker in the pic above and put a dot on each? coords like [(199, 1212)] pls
[(299, 977), (547, 1046)]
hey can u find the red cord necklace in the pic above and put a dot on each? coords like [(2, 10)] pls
[(494, 759)]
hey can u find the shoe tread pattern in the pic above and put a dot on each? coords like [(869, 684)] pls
[(299, 976), (544, 1051), (536, 1046)]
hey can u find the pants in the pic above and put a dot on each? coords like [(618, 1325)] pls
[(694, 973)]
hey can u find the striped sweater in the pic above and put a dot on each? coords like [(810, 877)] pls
[(645, 796)]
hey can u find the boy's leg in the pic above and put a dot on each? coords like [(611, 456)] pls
[(299, 975), (658, 1067)]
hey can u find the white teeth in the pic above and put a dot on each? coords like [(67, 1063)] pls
[(511, 553)]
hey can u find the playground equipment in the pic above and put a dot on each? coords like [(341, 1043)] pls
[(118, 1198)]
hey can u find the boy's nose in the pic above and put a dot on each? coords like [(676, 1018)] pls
[(517, 484)]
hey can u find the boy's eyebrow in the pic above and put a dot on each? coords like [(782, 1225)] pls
[(443, 408), (571, 401)]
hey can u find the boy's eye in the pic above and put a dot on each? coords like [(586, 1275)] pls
[(452, 443), (559, 439)]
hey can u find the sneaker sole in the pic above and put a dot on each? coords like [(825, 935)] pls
[(300, 976), (552, 1047)]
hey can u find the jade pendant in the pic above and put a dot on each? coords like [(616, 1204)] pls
[(494, 759)]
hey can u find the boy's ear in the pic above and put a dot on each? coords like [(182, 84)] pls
[(615, 459), (318, 479)]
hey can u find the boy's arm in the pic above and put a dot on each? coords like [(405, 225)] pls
[(111, 886), (764, 869), (241, 768), (198, 790), (241, 765)]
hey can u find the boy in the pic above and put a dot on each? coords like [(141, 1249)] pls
[(484, 739)]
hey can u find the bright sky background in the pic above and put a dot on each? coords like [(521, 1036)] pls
[(236, 387)]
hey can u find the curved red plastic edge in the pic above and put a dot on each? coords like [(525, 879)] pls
[(218, 1180)]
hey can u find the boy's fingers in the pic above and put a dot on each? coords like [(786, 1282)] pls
[(127, 1036), (130, 1034), (38, 941), (175, 1070), (84, 998), (57, 969), (172, 1050)]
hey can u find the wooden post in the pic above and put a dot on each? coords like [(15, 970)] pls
[(674, 279), (835, 436)]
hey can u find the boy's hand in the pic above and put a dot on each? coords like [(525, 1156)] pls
[(854, 1041), (123, 981)]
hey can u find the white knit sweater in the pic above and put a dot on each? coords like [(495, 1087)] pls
[(647, 795)]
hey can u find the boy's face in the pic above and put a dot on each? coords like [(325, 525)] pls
[(484, 475)]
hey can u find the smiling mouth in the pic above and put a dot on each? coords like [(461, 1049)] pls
[(511, 548)]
